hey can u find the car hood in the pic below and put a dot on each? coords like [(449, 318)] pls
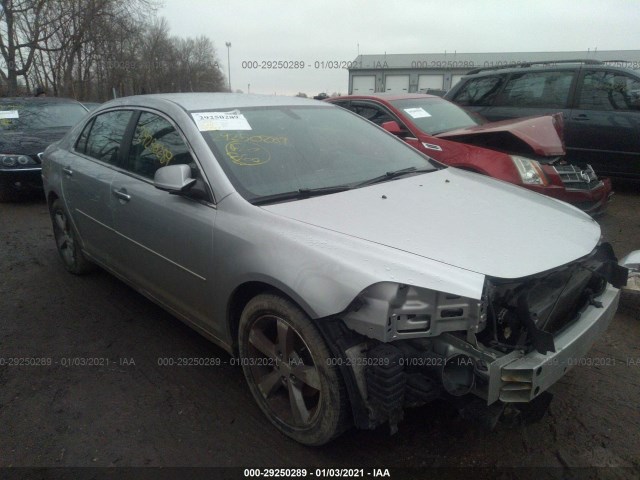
[(457, 218), (538, 133), (29, 142)]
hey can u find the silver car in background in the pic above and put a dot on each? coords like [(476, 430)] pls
[(350, 274)]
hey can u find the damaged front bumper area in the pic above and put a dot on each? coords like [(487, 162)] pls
[(520, 377), (402, 346)]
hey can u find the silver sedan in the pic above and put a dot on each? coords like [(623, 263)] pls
[(350, 275)]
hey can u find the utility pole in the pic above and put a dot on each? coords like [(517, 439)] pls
[(228, 44)]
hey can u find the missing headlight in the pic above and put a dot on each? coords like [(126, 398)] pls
[(389, 311)]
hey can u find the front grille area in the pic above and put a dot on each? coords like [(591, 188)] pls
[(578, 178), (529, 312)]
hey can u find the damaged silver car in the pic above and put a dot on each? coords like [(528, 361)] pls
[(351, 275)]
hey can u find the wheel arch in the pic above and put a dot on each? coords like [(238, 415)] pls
[(52, 197), (244, 292)]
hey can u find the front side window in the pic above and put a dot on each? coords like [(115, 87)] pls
[(105, 137), (479, 91), (156, 143), (537, 89), (269, 151), (602, 90)]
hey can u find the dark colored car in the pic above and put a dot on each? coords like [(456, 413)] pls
[(527, 152), (600, 104), (27, 127)]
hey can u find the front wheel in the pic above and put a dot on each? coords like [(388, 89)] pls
[(67, 242), (287, 366)]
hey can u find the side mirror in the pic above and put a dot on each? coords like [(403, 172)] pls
[(173, 178), (392, 127)]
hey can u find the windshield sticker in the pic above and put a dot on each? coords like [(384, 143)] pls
[(208, 121), (417, 112), (9, 114), (247, 154)]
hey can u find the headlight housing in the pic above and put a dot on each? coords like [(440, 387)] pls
[(16, 160), (530, 171)]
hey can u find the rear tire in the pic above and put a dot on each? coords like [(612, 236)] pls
[(287, 366), (67, 241)]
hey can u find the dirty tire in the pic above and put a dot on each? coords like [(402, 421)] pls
[(286, 364), (67, 241)]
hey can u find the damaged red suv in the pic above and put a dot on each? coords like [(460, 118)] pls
[(527, 151)]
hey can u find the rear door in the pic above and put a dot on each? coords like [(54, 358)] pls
[(165, 241), (86, 180), (604, 127)]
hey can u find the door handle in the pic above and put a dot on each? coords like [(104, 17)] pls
[(122, 195), (68, 171)]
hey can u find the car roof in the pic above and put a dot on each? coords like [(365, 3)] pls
[(206, 100), (499, 70), (386, 96)]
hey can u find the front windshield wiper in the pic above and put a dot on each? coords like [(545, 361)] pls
[(311, 192), (394, 174), (300, 194)]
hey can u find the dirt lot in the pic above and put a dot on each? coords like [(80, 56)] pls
[(130, 411)]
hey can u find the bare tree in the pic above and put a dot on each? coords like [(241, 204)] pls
[(24, 25), (91, 49)]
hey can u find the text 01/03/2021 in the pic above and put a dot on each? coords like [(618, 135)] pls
[(298, 64)]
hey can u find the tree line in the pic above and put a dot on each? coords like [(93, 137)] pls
[(93, 50)]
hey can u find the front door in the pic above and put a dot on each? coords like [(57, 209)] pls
[(165, 241)]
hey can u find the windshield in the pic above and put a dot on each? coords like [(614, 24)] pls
[(268, 151), (36, 114), (435, 115)]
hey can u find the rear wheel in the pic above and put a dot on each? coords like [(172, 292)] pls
[(287, 366), (66, 241)]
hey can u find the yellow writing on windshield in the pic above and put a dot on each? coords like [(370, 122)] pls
[(243, 137), (247, 154)]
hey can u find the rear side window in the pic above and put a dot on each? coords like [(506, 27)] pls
[(102, 140), (156, 143), (547, 89), (479, 91), (602, 90)]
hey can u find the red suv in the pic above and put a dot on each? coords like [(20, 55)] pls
[(527, 151)]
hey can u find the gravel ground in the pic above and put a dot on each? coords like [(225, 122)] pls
[(129, 411)]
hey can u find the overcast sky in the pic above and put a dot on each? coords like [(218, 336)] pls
[(333, 30)]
